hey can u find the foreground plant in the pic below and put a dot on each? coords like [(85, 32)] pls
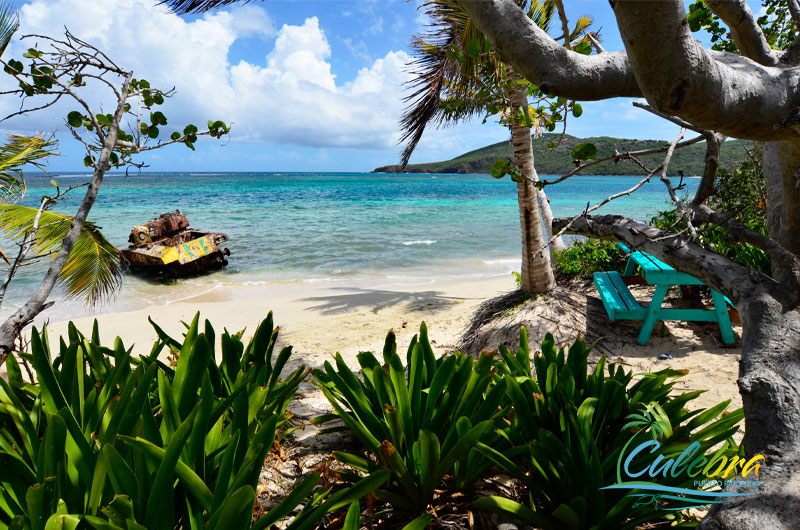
[(574, 426), (106, 441), (420, 420)]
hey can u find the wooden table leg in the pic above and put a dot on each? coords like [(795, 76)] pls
[(652, 313), (630, 266), (721, 309)]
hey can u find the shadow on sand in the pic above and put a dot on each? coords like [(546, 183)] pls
[(377, 299)]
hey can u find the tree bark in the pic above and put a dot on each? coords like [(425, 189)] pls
[(737, 97), (537, 274), (788, 167), (547, 219), (769, 382), (745, 31), (718, 91)]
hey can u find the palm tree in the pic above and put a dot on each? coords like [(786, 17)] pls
[(93, 268), (459, 77)]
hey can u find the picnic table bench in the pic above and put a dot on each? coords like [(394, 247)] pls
[(621, 305)]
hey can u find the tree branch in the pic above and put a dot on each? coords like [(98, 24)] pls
[(616, 157), (712, 90), (24, 248), (794, 11), (706, 186), (723, 274), (562, 14), (595, 42), (745, 30), (789, 264), (547, 63), (11, 328)]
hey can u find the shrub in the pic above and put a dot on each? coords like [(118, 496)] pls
[(419, 420), (106, 441), (572, 425), (587, 257), (738, 193)]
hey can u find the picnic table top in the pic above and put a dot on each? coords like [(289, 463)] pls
[(657, 272)]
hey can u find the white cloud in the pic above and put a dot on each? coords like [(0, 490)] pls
[(291, 97)]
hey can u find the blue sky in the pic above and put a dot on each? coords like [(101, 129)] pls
[(309, 86)]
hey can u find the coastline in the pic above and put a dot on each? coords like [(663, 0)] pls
[(319, 319)]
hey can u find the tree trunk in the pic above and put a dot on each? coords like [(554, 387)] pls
[(547, 219), (537, 274), (769, 371), (769, 382)]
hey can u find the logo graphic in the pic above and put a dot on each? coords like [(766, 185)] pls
[(679, 476)]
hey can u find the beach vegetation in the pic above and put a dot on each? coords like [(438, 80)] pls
[(420, 418), (588, 256), (570, 424), (93, 436), (737, 89), (741, 194)]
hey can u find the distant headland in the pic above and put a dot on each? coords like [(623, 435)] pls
[(557, 161)]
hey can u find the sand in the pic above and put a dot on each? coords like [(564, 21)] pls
[(320, 319)]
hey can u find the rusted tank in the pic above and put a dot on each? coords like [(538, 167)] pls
[(168, 247)]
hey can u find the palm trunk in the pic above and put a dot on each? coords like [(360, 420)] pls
[(537, 274), (556, 243)]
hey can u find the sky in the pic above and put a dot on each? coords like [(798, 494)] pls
[(307, 85)]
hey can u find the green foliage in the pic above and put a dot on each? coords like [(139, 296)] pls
[(419, 420), (16, 153), (106, 441), (93, 268), (501, 168), (583, 153), (554, 158), (776, 24), (587, 257), (571, 424), (741, 194)]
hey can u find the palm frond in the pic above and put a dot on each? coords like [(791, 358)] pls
[(93, 268), (579, 31), (541, 12), (9, 23), (182, 7), (16, 153), (580, 28), (439, 77)]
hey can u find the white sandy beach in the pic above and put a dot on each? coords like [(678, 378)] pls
[(321, 319)]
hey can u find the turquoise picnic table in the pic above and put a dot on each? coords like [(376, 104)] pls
[(621, 305)]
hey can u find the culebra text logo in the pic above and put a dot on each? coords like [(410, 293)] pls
[(667, 474)]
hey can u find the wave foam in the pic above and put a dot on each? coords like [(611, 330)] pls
[(420, 242), (503, 261)]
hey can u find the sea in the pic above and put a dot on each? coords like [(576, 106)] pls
[(325, 228)]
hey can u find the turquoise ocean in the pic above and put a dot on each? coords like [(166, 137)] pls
[(411, 229)]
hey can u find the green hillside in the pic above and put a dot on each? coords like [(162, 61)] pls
[(559, 161)]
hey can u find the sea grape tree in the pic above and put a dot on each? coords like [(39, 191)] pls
[(753, 94), (58, 70)]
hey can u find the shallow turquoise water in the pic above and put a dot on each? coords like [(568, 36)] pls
[(336, 226)]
